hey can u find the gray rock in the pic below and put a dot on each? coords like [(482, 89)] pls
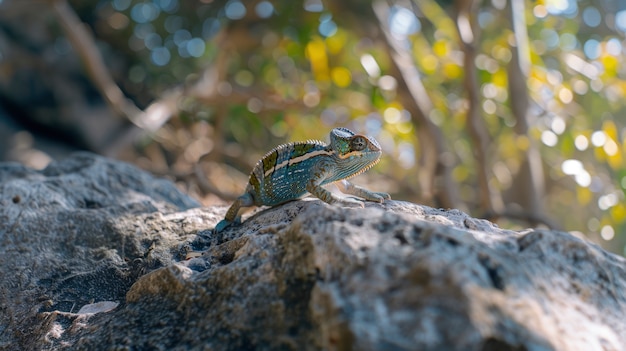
[(97, 255)]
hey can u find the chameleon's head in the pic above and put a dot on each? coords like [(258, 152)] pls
[(355, 153)]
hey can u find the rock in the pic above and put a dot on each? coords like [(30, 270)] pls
[(89, 233)]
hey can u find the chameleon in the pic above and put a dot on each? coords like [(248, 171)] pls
[(290, 171)]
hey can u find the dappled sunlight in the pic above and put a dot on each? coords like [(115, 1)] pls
[(500, 108), (570, 69)]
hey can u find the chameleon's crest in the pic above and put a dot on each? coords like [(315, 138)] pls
[(340, 140)]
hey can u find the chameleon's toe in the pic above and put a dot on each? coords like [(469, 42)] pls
[(377, 197), (383, 196)]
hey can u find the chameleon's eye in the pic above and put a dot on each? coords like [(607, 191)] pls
[(358, 143)]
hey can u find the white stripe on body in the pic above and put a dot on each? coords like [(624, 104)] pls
[(291, 161)]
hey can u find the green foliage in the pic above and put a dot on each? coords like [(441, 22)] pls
[(302, 71)]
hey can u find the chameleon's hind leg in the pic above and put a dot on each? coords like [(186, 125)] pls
[(231, 217), (349, 188)]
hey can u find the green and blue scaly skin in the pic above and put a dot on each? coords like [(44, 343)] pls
[(290, 171)]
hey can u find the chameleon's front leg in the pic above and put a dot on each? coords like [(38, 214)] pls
[(231, 217), (349, 188), (313, 186)]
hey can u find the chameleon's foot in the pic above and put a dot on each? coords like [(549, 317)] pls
[(224, 223), (376, 196), (349, 188)]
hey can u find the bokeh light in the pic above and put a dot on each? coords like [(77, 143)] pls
[(264, 9), (592, 17), (291, 72), (403, 22), (235, 10)]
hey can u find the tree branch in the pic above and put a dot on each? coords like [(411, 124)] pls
[(163, 108), (529, 181), (83, 42), (435, 172), (468, 35)]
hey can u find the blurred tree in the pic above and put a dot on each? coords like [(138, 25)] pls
[(507, 109)]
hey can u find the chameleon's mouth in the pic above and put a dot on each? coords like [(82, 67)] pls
[(365, 168)]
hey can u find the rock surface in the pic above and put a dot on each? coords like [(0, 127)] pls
[(93, 257)]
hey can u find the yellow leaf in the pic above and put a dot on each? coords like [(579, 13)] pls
[(396, 105), (337, 42), (616, 161), (451, 70), (429, 63), (440, 48), (610, 129), (404, 128), (500, 78), (522, 142), (438, 16), (507, 146), (618, 213), (341, 76), (610, 63), (599, 154), (316, 53), (583, 195), (460, 173)]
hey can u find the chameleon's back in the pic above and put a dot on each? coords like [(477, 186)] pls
[(281, 175)]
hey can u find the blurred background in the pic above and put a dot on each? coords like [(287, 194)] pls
[(509, 110)]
